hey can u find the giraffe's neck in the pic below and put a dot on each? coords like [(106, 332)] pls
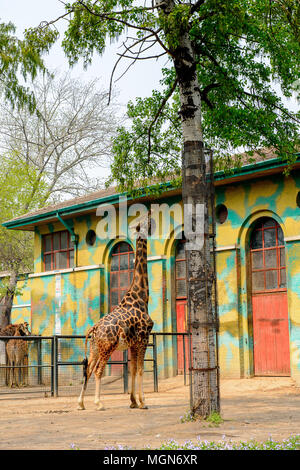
[(139, 283)]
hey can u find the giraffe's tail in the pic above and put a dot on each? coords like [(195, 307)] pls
[(85, 360), (86, 340), (85, 365)]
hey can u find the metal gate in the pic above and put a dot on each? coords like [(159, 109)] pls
[(52, 365), (26, 364)]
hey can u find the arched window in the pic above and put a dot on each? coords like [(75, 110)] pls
[(180, 270), (267, 256), (121, 272)]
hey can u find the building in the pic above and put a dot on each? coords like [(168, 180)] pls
[(258, 270)]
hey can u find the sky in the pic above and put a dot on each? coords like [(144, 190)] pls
[(139, 81)]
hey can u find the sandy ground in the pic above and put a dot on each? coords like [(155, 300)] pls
[(251, 408)]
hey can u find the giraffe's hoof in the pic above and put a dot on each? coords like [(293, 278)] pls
[(134, 405), (143, 407), (80, 406), (100, 408)]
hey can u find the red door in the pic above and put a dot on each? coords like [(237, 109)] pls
[(181, 328), (181, 302), (271, 335), (269, 300)]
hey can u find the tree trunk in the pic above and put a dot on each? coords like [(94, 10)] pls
[(195, 193), (7, 301), (201, 319)]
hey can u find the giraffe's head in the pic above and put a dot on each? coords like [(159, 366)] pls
[(144, 225), (23, 329)]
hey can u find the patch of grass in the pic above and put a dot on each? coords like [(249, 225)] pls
[(215, 419), (73, 446), (292, 443), (187, 417)]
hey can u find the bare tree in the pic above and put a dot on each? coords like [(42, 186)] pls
[(46, 156), (68, 135)]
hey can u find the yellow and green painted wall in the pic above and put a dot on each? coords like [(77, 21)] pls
[(68, 301)]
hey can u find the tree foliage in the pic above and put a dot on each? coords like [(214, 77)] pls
[(247, 58), (244, 50), (19, 59), (21, 189)]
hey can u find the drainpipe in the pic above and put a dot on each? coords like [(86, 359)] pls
[(74, 237)]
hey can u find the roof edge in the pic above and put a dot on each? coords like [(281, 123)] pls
[(253, 168), (220, 175), (73, 209)]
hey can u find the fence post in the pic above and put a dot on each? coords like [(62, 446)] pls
[(155, 363), (184, 359), (55, 365), (39, 355), (52, 367)]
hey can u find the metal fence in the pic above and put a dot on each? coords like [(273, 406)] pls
[(26, 364), (52, 365)]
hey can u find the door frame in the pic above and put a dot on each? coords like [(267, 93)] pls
[(244, 297), (248, 278)]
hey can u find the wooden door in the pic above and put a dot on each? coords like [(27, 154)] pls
[(181, 305), (181, 328), (269, 300)]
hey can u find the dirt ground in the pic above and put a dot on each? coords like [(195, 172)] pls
[(251, 408)]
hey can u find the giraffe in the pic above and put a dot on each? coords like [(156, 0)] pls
[(17, 353), (10, 329), (127, 326)]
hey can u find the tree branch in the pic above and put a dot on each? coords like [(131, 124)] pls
[(197, 5), (108, 17), (162, 105), (205, 92)]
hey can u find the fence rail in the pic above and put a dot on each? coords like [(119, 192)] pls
[(53, 364)]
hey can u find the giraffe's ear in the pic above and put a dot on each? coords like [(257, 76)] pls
[(151, 227)]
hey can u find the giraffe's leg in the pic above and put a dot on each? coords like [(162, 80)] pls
[(13, 380), (25, 371), (88, 369), (21, 379), (24, 364), (140, 371), (17, 375), (17, 372), (98, 374), (133, 368), (9, 375)]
